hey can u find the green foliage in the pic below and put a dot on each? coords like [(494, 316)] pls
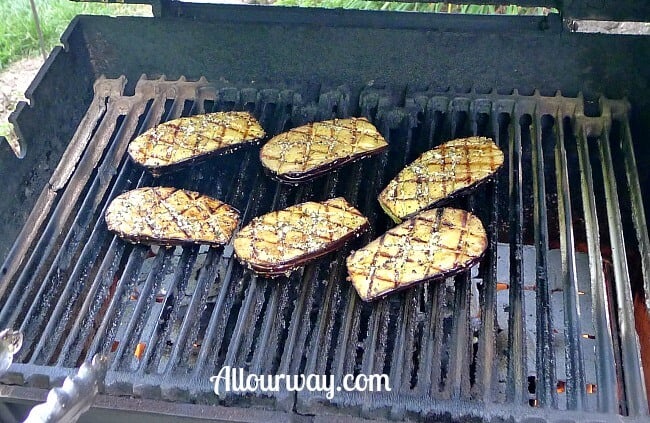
[(417, 7), (18, 35)]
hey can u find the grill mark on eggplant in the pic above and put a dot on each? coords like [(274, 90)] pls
[(340, 141), (315, 226), (416, 251), (172, 213), (373, 269), (435, 228)]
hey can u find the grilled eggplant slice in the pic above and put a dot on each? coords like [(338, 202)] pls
[(171, 216), (434, 244), (308, 151), (283, 240), (186, 140), (440, 174)]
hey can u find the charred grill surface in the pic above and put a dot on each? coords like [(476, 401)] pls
[(510, 338)]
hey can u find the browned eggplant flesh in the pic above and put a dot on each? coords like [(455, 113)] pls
[(280, 241), (434, 244), (179, 142), (440, 174), (171, 216), (308, 151)]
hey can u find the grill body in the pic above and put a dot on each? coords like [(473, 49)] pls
[(570, 186)]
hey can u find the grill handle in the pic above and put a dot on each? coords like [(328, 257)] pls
[(75, 397)]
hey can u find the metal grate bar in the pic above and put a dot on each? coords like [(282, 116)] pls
[(298, 326), (636, 199), (189, 326), (574, 359), (90, 307), (91, 247), (457, 383), (114, 251), (226, 100), (128, 279), (176, 288), (608, 397), (486, 346), (324, 325), (546, 390), (145, 297), (327, 316), (215, 330), (634, 383), (183, 342), (436, 331), (375, 343), (278, 306), (56, 324), (104, 88), (404, 345), (243, 319), (151, 118), (245, 322), (516, 336), (231, 300), (47, 243), (460, 342)]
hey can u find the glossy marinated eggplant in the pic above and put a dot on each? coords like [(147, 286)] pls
[(440, 174), (308, 151), (179, 142), (171, 216), (278, 242), (434, 244)]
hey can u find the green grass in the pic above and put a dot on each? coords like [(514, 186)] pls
[(18, 35), (417, 7)]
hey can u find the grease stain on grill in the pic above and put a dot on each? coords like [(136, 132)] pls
[(188, 311)]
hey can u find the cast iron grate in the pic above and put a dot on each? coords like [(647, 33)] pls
[(540, 329)]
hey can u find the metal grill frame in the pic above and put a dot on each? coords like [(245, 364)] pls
[(93, 159)]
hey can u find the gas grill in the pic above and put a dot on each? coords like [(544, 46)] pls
[(542, 329)]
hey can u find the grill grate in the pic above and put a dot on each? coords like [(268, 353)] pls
[(460, 348)]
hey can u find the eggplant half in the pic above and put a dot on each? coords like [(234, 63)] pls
[(180, 142), (171, 216), (308, 151), (434, 244), (280, 241), (440, 174)]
